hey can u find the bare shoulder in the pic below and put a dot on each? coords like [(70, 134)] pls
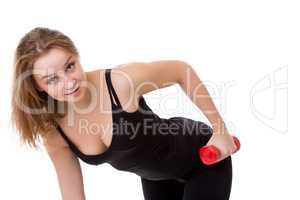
[(143, 77), (127, 73), (53, 141), (125, 77)]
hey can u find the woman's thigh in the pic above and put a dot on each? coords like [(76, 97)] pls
[(162, 190), (210, 182)]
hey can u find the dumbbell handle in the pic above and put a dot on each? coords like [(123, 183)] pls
[(210, 154)]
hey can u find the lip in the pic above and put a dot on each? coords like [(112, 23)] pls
[(73, 91)]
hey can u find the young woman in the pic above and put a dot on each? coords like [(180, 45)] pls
[(101, 116)]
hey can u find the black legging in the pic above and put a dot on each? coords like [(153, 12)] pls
[(205, 182)]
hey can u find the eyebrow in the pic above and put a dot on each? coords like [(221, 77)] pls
[(54, 73)]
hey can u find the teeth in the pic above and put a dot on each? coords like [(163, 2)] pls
[(73, 91)]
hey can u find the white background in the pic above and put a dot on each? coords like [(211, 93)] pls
[(251, 45)]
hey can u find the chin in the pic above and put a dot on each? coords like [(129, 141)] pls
[(75, 98)]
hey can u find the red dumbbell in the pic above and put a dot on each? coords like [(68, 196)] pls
[(209, 154)]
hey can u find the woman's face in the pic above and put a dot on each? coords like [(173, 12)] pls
[(60, 74)]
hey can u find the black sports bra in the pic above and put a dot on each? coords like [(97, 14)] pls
[(145, 144)]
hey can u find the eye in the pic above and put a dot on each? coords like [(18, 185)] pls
[(70, 66), (52, 80)]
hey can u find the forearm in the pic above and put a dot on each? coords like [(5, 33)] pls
[(197, 92), (69, 174)]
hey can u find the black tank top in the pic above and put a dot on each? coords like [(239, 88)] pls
[(150, 146)]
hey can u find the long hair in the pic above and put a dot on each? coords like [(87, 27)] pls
[(33, 111)]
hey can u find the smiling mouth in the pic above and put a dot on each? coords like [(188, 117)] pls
[(73, 91)]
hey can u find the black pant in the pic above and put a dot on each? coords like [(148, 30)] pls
[(205, 182)]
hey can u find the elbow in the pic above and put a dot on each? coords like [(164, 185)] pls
[(184, 70)]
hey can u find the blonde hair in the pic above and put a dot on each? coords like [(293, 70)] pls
[(31, 125)]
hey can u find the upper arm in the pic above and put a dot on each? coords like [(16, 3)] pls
[(144, 77), (67, 167)]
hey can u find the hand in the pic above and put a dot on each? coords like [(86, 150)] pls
[(224, 143)]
